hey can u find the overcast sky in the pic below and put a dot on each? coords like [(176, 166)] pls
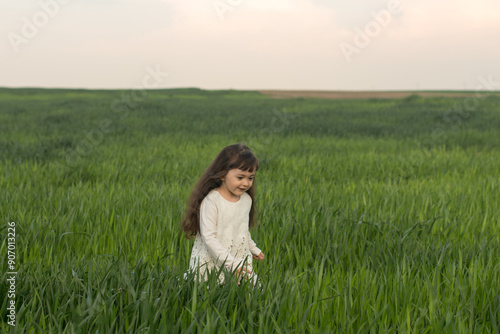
[(250, 44)]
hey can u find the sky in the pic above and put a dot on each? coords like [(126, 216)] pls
[(251, 44)]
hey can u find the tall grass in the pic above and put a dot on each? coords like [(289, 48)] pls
[(369, 221)]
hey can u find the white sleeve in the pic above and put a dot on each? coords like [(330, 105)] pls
[(208, 231), (252, 246)]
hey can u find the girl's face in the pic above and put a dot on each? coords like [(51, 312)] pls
[(238, 181)]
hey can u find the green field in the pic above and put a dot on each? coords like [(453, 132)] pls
[(375, 215)]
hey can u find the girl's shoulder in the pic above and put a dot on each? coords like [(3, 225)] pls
[(246, 197), (212, 194)]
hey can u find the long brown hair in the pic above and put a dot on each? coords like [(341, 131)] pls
[(232, 156)]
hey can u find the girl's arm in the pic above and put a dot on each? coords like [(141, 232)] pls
[(253, 246), (208, 231), (256, 252)]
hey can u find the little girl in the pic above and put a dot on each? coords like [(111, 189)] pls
[(219, 214)]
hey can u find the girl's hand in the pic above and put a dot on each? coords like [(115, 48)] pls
[(240, 272), (259, 257), (243, 270)]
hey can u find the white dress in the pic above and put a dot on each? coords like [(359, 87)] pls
[(224, 236)]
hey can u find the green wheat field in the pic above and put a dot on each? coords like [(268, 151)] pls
[(375, 215)]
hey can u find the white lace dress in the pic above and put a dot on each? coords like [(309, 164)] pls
[(224, 237)]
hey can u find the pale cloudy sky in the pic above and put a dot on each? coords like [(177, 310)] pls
[(251, 44)]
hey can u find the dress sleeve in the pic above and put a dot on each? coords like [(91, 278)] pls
[(252, 246), (208, 231)]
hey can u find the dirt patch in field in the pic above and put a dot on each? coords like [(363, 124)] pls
[(283, 94)]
